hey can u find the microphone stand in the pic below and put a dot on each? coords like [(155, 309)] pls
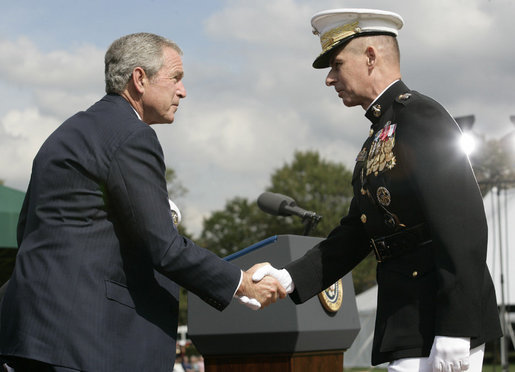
[(310, 220)]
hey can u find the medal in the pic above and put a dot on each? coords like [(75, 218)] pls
[(362, 155), (383, 196), (380, 156)]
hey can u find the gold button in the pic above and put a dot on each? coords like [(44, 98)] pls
[(364, 218), (414, 274)]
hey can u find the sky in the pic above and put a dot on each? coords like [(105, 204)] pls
[(253, 98)]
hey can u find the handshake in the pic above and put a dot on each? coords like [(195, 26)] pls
[(262, 285)]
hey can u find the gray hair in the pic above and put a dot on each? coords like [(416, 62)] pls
[(387, 44), (143, 50)]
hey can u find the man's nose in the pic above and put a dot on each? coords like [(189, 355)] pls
[(330, 80), (181, 89)]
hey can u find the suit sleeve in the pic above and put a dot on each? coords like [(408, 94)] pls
[(345, 247), (453, 209), (137, 193)]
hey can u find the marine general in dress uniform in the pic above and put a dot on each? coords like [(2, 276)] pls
[(416, 205)]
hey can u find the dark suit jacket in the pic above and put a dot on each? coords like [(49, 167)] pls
[(95, 285), (442, 287)]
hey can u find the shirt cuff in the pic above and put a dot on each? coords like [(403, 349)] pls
[(239, 283)]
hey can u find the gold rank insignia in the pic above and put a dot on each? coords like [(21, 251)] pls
[(404, 97), (376, 110), (381, 154), (332, 297)]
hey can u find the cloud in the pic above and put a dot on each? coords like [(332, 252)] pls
[(22, 133), (273, 24), (23, 63), (47, 87)]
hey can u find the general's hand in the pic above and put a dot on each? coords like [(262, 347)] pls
[(251, 303), (265, 292), (282, 276), (450, 354)]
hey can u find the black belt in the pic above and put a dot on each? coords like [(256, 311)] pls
[(394, 245)]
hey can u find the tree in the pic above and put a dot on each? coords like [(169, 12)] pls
[(494, 162), (315, 184), (174, 187)]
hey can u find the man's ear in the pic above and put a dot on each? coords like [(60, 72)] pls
[(139, 79), (370, 54)]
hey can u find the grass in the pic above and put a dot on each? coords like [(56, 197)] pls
[(486, 368)]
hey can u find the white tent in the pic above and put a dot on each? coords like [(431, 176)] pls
[(500, 214)]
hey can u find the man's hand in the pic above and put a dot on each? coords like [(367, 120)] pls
[(450, 354), (282, 276), (265, 292)]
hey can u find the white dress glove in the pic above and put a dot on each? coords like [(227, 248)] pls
[(282, 276), (251, 303), (450, 354)]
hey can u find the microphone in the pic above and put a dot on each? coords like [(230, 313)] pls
[(282, 205)]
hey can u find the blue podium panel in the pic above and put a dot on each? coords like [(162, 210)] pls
[(282, 327)]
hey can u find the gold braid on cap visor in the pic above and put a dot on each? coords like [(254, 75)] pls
[(332, 37)]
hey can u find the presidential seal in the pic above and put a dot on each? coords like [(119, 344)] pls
[(332, 297)]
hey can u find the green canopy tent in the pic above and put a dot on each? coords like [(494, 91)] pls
[(11, 201)]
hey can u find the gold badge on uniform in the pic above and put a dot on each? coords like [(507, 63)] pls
[(332, 297), (383, 196), (381, 154)]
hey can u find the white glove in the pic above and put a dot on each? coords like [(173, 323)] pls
[(251, 303), (282, 276), (176, 213), (450, 354)]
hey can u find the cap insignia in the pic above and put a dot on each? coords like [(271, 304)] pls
[(333, 36)]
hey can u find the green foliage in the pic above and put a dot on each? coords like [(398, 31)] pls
[(315, 184), (239, 225), (183, 306), (174, 186)]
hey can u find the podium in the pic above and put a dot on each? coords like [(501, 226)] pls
[(283, 336)]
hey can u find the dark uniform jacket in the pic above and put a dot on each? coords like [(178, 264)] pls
[(415, 194), (92, 286)]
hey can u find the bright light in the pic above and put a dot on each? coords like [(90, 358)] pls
[(467, 143)]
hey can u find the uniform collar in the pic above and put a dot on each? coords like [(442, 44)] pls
[(384, 101)]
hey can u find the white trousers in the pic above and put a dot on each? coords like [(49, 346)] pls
[(423, 365)]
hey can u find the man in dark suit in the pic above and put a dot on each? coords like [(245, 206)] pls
[(416, 205), (95, 285)]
